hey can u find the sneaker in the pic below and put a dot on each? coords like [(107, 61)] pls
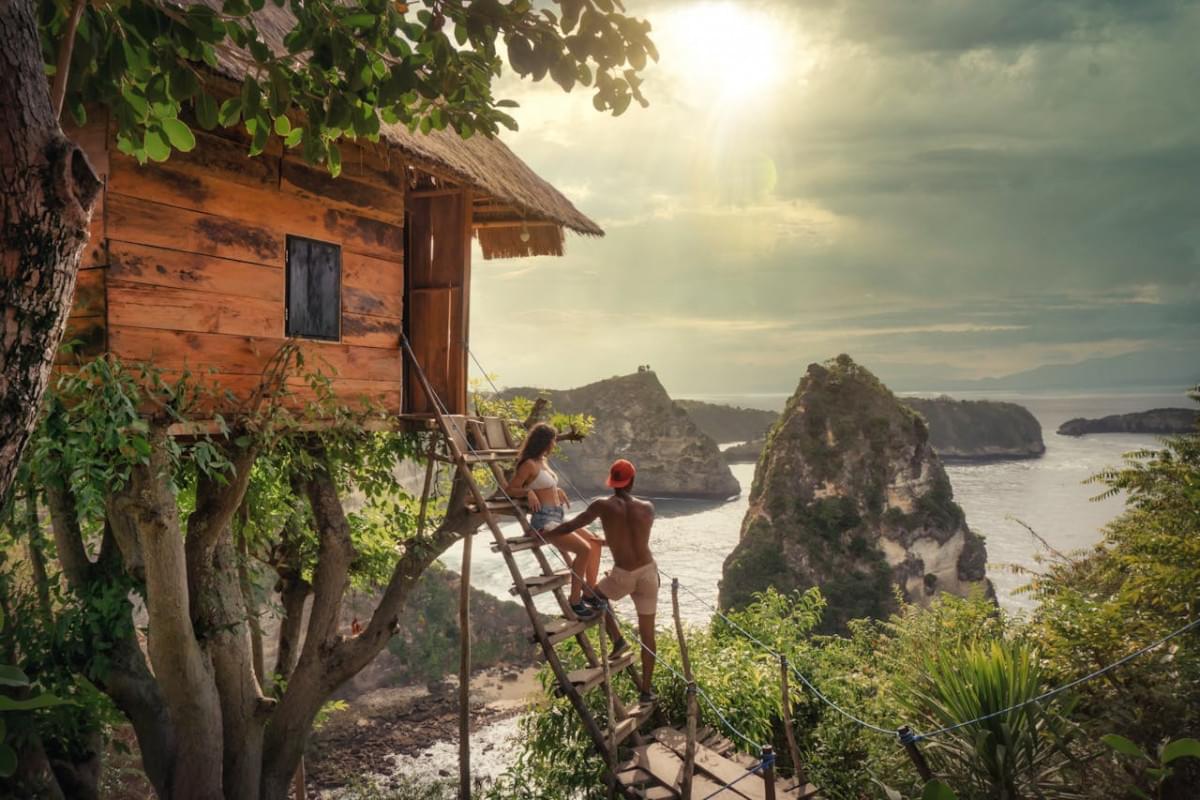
[(596, 602), (619, 648), (582, 611), (646, 698)]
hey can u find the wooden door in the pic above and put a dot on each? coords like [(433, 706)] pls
[(438, 284)]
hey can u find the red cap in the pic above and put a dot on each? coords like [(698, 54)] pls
[(620, 474)]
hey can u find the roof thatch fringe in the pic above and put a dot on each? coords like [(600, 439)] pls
[(505, 242), (482, 162)]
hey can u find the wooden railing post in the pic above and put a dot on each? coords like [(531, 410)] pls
[(611, 778), (768, 772), (693, 707), (464, 673), (786, 706), (914, 753)]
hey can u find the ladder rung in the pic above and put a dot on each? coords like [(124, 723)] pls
[(591, 677), (634, 777), (561, 629), (623, 729), (500, 506), (516, 544), (660, 793), (639, 711), (536, 584)]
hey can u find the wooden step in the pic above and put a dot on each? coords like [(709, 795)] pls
[(624, 728), (667, 768), (516, 544), (500, 507), (640, 711), (537, 584), (591, 677), (561, 629), (720, 768)]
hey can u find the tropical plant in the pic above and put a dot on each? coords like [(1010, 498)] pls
[(1151, 773)]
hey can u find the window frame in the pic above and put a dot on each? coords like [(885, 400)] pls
[(288, 332)]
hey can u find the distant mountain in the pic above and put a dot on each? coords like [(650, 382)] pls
[(1159, 368)]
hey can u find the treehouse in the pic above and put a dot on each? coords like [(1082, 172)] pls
[(214, 260)]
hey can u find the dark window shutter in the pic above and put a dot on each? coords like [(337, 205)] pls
[(314, 289)]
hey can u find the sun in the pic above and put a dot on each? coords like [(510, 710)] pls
[(724, 52)]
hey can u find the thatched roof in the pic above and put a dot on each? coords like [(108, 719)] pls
[(527, 215)]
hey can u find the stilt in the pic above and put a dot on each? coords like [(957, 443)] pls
[(464, 673)]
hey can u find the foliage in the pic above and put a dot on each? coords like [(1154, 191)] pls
[(1154, 771), (339, 69)]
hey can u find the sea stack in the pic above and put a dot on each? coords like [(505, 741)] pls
[(850, 496), (636, 419)]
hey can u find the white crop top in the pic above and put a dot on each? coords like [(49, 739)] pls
[(545, 479)]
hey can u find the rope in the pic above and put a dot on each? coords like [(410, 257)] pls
[(909, 737)]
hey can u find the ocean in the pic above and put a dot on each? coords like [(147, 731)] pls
[(692, 537)]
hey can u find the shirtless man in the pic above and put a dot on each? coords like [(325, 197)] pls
[(627, 521)]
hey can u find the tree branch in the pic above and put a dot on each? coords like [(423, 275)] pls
[(335, 552), (68, 538), (62, 66)]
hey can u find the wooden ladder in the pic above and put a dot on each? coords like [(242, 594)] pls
[(457, 433)]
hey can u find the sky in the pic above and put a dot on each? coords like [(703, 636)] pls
[(943, 189)]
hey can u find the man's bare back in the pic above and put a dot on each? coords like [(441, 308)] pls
[(627, 522)]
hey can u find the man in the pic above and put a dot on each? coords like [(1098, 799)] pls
[(627, 522)]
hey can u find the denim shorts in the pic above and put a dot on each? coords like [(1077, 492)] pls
[(547, 517)]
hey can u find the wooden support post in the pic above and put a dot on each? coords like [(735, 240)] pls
[(611, 771), (768, 773), (914, 753), (693, 709), (464, 673), (299, 791), (786, 706)]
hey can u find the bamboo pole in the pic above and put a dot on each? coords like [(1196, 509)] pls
[(464, 673), (786, 706), (693, 709), (914, 753)]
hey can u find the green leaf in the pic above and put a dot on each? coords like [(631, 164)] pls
[(294, 137), (1123, 745), (936, 790), (180, 135), (136, 101), (231, 111), (43, 700), (12, 676), (283, 126), (360, 20), (335, 159), (8, 761), (206, 111), (1181, 748), (156, 146)]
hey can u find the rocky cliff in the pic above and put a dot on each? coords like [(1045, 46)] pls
[(636, 419), (971, 430), (850, 496), (729, 423), (1160, 421)]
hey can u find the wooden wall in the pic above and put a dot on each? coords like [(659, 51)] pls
[(186, 269)]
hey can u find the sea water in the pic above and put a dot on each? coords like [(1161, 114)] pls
[(691, 538)]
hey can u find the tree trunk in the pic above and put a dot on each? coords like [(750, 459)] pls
[(47, 190), (37, 550)]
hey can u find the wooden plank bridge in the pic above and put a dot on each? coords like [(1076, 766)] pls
[(660, 763)]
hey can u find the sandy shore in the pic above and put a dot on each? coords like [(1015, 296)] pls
[(387, 726)]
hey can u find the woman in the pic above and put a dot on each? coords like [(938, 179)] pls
[(538, 484)]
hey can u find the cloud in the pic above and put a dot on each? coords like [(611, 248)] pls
[(974, 187)]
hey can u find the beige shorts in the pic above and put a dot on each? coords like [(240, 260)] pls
[(641, 584)]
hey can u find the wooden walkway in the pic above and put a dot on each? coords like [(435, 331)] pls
[(638, 765)]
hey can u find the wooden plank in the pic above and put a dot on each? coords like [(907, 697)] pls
[(132, 219), (165, 308), (89, 293), (720, 768), (157, 266), (429, 331), (229, 159), (247, 355), (350, 393), (372, 285), (349, 194), (278, 212), (367, 331), (665, 765)]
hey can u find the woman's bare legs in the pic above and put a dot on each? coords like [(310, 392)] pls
[(578, 553)]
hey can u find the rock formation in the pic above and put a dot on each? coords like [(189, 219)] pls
[(746, 452), (729, 423), (1159, 421), (850, 496), (636, 419), (970, 430)]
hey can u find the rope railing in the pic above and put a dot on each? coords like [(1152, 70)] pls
[(904, 735)]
